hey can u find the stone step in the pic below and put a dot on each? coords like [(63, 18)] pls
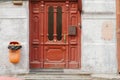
[(58, 71), (105, 77), (54, 77), (47, 70), (57, 76)]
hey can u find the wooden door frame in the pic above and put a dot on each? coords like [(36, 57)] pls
[(79, 9), (118, 32)]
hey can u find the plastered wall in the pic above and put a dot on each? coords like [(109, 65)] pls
[(98, 53), (14, 23)]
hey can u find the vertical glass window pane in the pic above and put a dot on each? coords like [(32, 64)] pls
[(50, 23), (59, 23)]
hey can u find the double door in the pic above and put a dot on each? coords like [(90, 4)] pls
[(55, 35)]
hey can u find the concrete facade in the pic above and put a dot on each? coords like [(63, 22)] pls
[(98, 54)]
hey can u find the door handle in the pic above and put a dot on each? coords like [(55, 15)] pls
[(64, 37)]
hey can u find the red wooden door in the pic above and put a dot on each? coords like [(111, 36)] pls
[(55, 35)]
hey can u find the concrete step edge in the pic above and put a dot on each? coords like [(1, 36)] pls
[(105, 76), (60, 73), (56, 77)]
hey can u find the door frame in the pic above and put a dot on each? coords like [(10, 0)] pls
[(79, 9), (118, 32)]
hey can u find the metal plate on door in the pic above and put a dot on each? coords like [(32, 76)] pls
[(72, 30)]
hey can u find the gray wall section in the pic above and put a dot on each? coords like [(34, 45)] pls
[(14, 26), (98, 55)]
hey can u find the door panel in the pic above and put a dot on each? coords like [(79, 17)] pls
[(74, 41), (54, 49), (51, 46), (54, 55)]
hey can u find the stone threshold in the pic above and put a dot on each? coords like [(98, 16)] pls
[(66, 76), (72, 77), (58, 71)]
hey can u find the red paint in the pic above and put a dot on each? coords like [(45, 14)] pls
[(65, 53), (118, 32)]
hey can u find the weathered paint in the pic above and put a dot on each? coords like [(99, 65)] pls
[(107, 31), (54, 53)]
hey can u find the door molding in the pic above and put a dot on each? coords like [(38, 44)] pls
[(118, 32), (79, 2)]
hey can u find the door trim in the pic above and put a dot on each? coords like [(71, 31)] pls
[(118, 32)]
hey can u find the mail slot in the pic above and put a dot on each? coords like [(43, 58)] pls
[(72, 31)]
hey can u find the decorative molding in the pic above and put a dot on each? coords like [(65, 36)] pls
[(56, 0), (42, 5), (67, 5), (79, 2)]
